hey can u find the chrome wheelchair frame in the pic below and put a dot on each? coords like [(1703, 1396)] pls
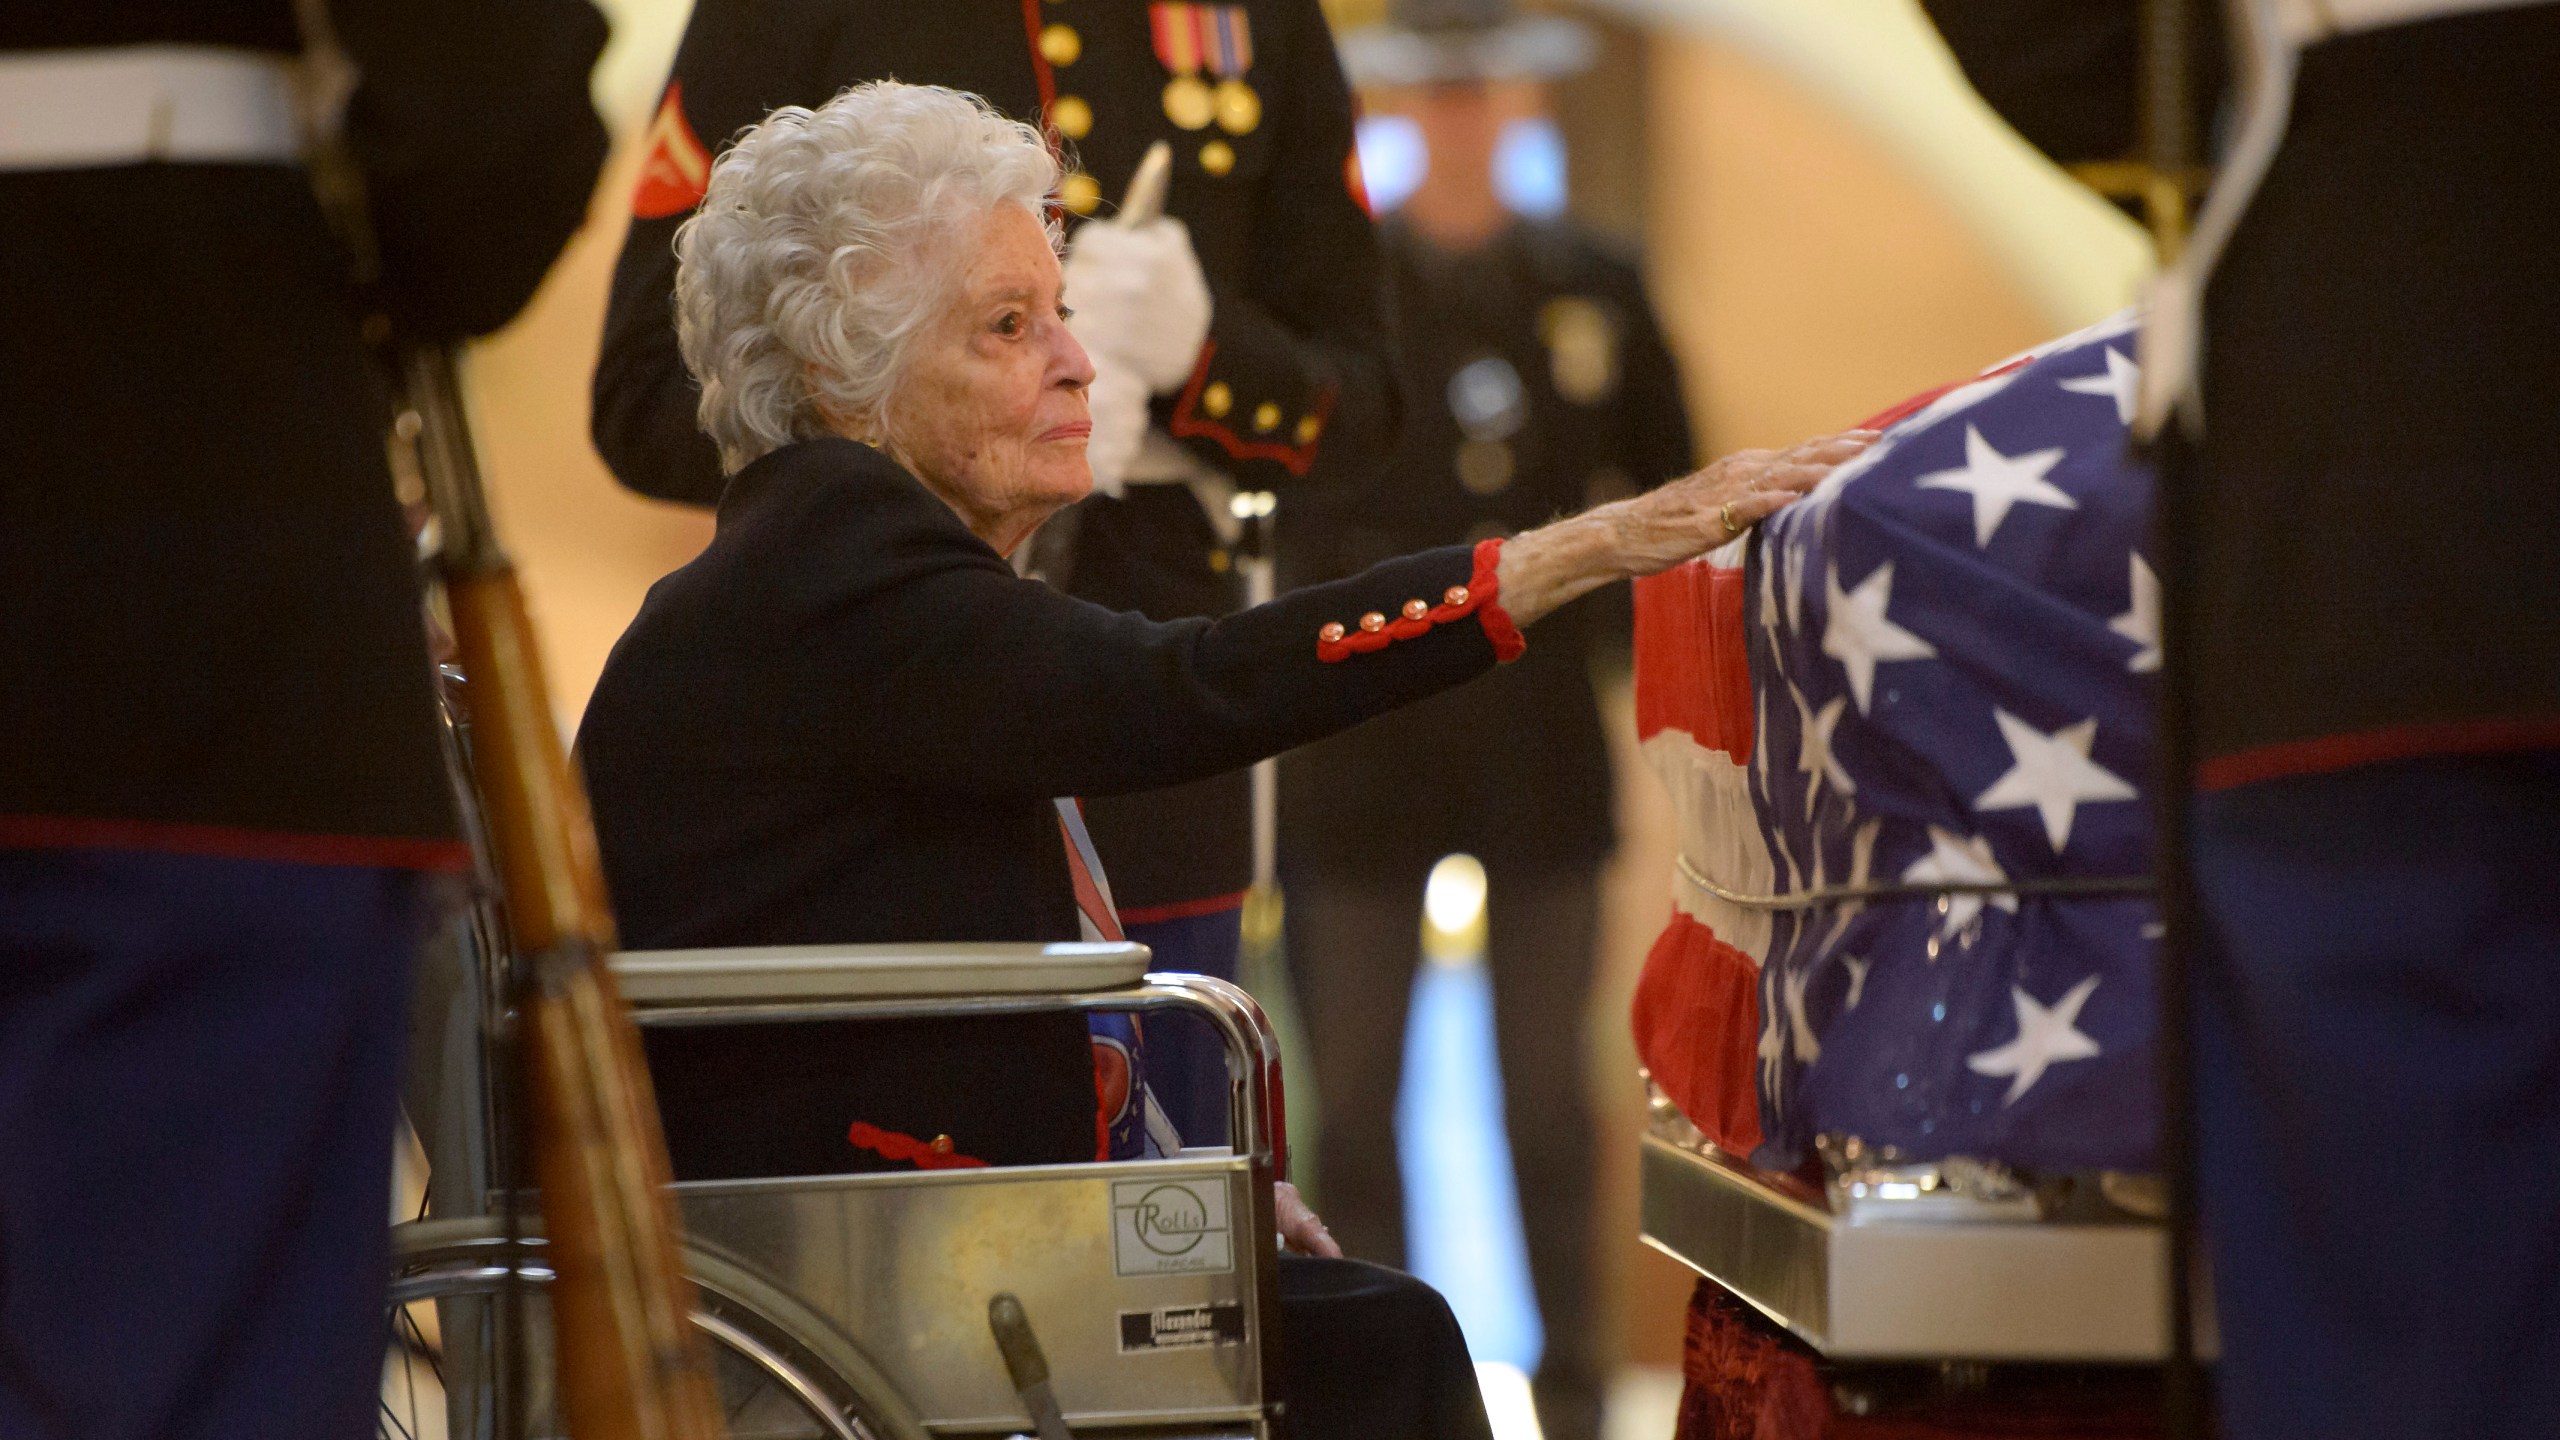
[(857, 1306)]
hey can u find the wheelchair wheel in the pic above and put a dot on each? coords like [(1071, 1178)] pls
[(455, 1366)]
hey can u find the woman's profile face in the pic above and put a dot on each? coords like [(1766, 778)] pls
[(991, 414)]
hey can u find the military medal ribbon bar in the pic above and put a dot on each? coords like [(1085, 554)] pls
[(1218, 39)]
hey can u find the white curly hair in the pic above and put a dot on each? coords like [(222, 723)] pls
[(823, 248)]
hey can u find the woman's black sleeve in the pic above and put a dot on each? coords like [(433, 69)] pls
[(966, 677)]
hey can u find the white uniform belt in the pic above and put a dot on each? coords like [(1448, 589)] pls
[(132, 105), (2308, 22)]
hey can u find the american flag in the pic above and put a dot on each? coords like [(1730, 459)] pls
[(1950, 652)]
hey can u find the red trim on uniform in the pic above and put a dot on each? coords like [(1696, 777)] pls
[(892, 1145), (383, 852), (1182, 909), (1296, 459), (1926, 398), (2373, 747), (1486, 587), (677, 172), (1041, 74), (1354, 179), (1481, 590)]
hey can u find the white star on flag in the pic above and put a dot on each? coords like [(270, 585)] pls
[(1759, 744), (1769, 593), (1955, 860), (1862, 866), (1997, 481), (1857, 980), (2045, 1038), (1772, 1051), (1808, 1046), (1813, 746), (2122, 383), (2141, 624), (2053, 773), (1795, 588), (1859, 635)]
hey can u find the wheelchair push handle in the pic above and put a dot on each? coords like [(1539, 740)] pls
[(1026, 1364)]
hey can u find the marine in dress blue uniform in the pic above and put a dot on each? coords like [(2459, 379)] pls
[(2375, 689), (223, 782), (2376, 706)]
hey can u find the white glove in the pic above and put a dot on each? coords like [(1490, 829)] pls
[(1139, 298), (1118, 401)]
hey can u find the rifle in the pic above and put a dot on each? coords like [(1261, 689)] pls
[(630, 1366)]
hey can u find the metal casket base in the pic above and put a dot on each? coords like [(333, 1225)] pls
[(1882, 1291), (905, 1264)]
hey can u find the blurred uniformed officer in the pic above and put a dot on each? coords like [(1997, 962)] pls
[(1537, 383), (222, 781), (1248, 359)]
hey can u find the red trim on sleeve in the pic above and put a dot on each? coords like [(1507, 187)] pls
[(1481, 589), (384, 852), (1181, 909), (2373, 747), (1187, 421), (890, 1144), (1487, 588)]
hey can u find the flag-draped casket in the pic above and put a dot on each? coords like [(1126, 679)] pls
[(1937, 670)]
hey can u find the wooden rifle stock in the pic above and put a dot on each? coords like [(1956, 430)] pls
[(630, 1365)]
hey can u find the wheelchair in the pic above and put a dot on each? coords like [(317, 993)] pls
[(1139, 1298)]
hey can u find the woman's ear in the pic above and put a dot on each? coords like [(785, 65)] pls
[(864, 428)]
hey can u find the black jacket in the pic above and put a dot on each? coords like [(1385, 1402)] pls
[(210, 633), (845, 722), (1294, 381), (1553, 320), (846, 719)]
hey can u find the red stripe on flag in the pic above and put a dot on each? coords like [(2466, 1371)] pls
[(1693, 663), (1697, 1029)]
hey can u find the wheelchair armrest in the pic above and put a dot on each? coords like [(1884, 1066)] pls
[(766, 973)]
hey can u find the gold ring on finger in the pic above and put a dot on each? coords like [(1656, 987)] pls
[(1732, 526)]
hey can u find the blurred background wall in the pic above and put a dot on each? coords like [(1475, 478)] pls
[(1831, 222)]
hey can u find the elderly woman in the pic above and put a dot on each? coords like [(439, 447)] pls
[(849, 720)]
